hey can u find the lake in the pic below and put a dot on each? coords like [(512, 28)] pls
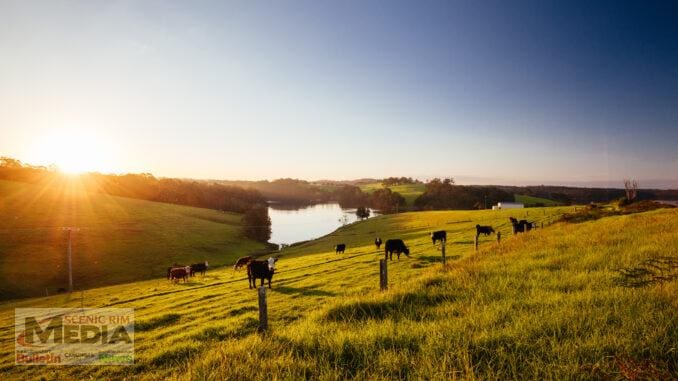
[(304, 223)]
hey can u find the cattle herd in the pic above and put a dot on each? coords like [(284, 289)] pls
[(264, 269), (177, 272)]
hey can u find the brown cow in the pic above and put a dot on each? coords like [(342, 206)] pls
[(177, 273)]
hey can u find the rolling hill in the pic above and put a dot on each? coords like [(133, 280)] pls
[(531, 201), (120, 239), (542, 305), (409, 191)]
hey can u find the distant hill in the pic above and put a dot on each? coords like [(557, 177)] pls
[(576, 195), (121, 239)]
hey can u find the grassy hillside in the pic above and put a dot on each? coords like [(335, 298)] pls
[(547, 304), (409, 191), (120, 239), (534, 201)]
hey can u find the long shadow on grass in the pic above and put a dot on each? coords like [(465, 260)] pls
[(350, 358), (463, 242), (246, 327), (161, 321), (437, 258), (413, 306), (305, 291)]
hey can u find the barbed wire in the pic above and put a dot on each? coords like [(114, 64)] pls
[(182, 227)]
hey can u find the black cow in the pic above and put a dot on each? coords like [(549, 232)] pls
[(520, 226), (440, 235), (487, 230), (199, 268), (396, 246), (260, 270), (242, 261), (377, 243), (340, 248)]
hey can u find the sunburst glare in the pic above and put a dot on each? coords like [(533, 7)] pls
[(75, 152)]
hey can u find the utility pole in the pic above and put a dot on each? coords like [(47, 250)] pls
[(70, 260)]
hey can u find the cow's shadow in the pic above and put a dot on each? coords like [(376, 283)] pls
[(463, 242), (305, 291), (189, 283), (437, 258)]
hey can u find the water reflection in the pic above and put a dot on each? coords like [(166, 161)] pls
[(296, 224)]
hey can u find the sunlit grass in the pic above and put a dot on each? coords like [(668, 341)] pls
[(120, 239), (541, 305)]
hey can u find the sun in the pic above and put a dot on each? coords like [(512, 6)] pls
[(75, 152)]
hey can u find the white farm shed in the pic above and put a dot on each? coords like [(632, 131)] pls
[(507, 205)]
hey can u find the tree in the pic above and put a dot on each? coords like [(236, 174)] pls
[(386, 200), (257, 223), (631, 188), (362, 213)]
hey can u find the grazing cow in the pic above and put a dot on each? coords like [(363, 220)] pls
[(340, 248), (440, 235), (487, 230), (199, 268), (177, 273), (174, 266), (377, 243), (520, 226), (396, 246), (260, 270), (241, 262)]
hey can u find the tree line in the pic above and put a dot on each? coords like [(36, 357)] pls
[(391, 181), (445, 194)]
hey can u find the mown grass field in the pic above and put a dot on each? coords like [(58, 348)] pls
[(534, 201), (542, 305), (120, 239), (409, 191)]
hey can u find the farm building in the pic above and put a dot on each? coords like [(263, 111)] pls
[(507, 205)]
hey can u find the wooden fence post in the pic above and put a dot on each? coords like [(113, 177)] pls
[(475, 242), (498, 237), (383, 275), (443, 247), (263, 310)]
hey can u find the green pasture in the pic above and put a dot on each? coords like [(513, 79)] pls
[(409, 191), (548, 304), (120, 239)]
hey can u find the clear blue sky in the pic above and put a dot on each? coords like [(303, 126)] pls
[(536, 91)]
